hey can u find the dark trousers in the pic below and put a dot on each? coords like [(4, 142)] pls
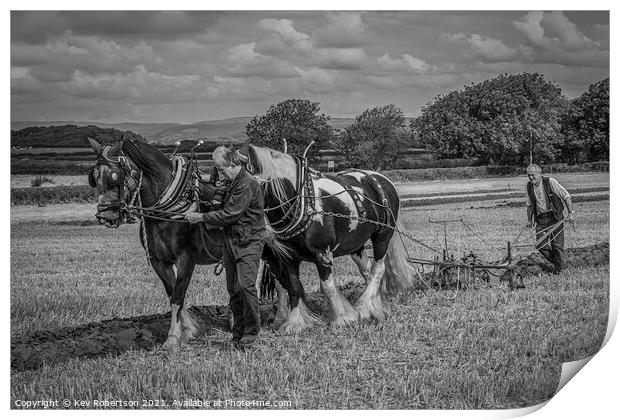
[(552, 247), (241, 264)]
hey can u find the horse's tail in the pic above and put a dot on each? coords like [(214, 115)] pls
[(399, 275), (267, 283), (281, 254), (280, 250)]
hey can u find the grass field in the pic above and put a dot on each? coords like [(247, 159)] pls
[(489, 348)]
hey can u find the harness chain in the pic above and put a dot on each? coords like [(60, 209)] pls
[(144, 235)]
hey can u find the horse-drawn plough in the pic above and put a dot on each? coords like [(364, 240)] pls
[(448, 271)]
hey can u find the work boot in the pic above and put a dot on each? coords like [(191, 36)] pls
[(247, 341)]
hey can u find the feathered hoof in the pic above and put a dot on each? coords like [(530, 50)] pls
[(348, 318), (292, 328), (278, 322), (298, 319), (188, 334), (368, 311), (171, 344)]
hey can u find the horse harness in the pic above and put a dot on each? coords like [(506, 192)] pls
[(180, 196), (303, 206)]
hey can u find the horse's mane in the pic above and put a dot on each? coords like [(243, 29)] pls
[(148, 158), (272, 168)]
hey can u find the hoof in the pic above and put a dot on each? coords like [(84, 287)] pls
[(171, 343), (278, 323), (280, 320), (343, 320), (291, 328), (371, 310), (188, 334)]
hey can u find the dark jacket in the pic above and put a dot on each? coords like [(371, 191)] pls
[(557, 207), (243, 212)]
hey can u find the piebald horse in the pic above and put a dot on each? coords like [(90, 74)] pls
[(323, 216)]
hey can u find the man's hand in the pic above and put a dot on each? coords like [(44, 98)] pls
[(531, 224), (193, 217), (570, 217)]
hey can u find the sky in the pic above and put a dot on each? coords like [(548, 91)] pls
[(176, 66)]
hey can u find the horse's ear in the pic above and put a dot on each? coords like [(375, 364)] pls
[(95, 145)]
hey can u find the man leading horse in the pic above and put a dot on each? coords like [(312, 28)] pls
[(243, 224)]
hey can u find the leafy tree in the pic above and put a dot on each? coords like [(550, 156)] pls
[(376, 139), (586, 125), (296, 120), (496, 121)]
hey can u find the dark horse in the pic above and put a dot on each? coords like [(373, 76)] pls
[(320, 217), (173, 247)]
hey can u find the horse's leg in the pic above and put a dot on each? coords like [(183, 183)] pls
[(188, 327), (370, 304), (299, 317), (167, 274), (342, 313), (360, 257), (283, 309)]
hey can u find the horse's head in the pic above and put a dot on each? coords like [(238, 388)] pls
[(115, 182)]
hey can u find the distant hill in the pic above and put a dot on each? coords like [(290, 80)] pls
[(67, 136), (163, 133), (144, 129)]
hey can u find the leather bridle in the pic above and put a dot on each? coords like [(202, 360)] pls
[(119, 175)]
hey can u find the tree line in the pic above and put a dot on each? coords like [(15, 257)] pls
[(501, 121)]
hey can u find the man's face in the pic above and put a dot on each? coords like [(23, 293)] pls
[(220, 163), (534, 176)]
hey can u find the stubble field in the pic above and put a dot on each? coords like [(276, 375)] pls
[(490, 347)]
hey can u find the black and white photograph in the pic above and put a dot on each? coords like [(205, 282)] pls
[(307, 209)]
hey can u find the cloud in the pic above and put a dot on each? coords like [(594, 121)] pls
[(529, 26), (315, 80), (138, 87), (555, 39), (90, 54), (38, 26), (234, 88), (405, 63), (341, 58), (287, 33), (400, 82), (487, 48), (343, 30), (602, 36), (244, 61), (491, 49), (557, 25)]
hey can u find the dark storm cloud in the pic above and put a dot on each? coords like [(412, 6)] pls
[(40, 26)]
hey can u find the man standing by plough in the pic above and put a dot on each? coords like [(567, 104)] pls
[(545, 210)]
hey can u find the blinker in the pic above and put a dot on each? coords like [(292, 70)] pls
[(92, 181), (113, 177)]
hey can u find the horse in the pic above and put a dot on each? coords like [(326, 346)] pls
[(319, 217), (130, 170)]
